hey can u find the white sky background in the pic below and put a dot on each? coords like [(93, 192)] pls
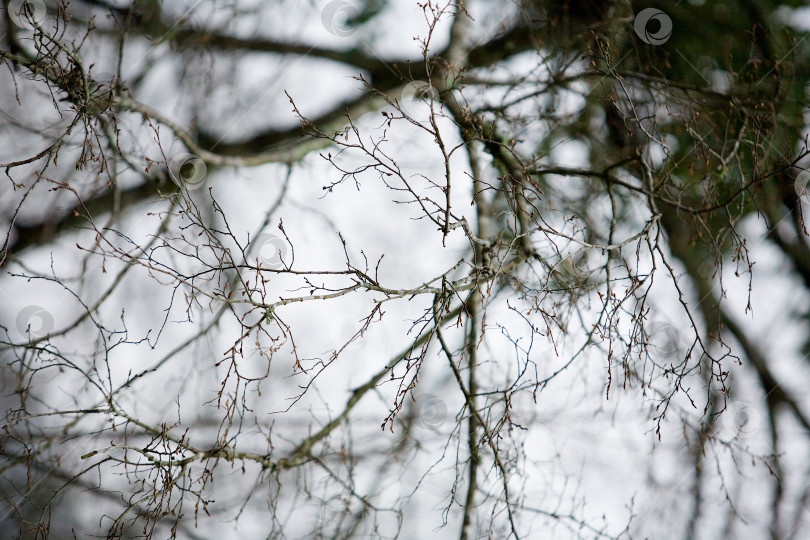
[(601, 453)]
